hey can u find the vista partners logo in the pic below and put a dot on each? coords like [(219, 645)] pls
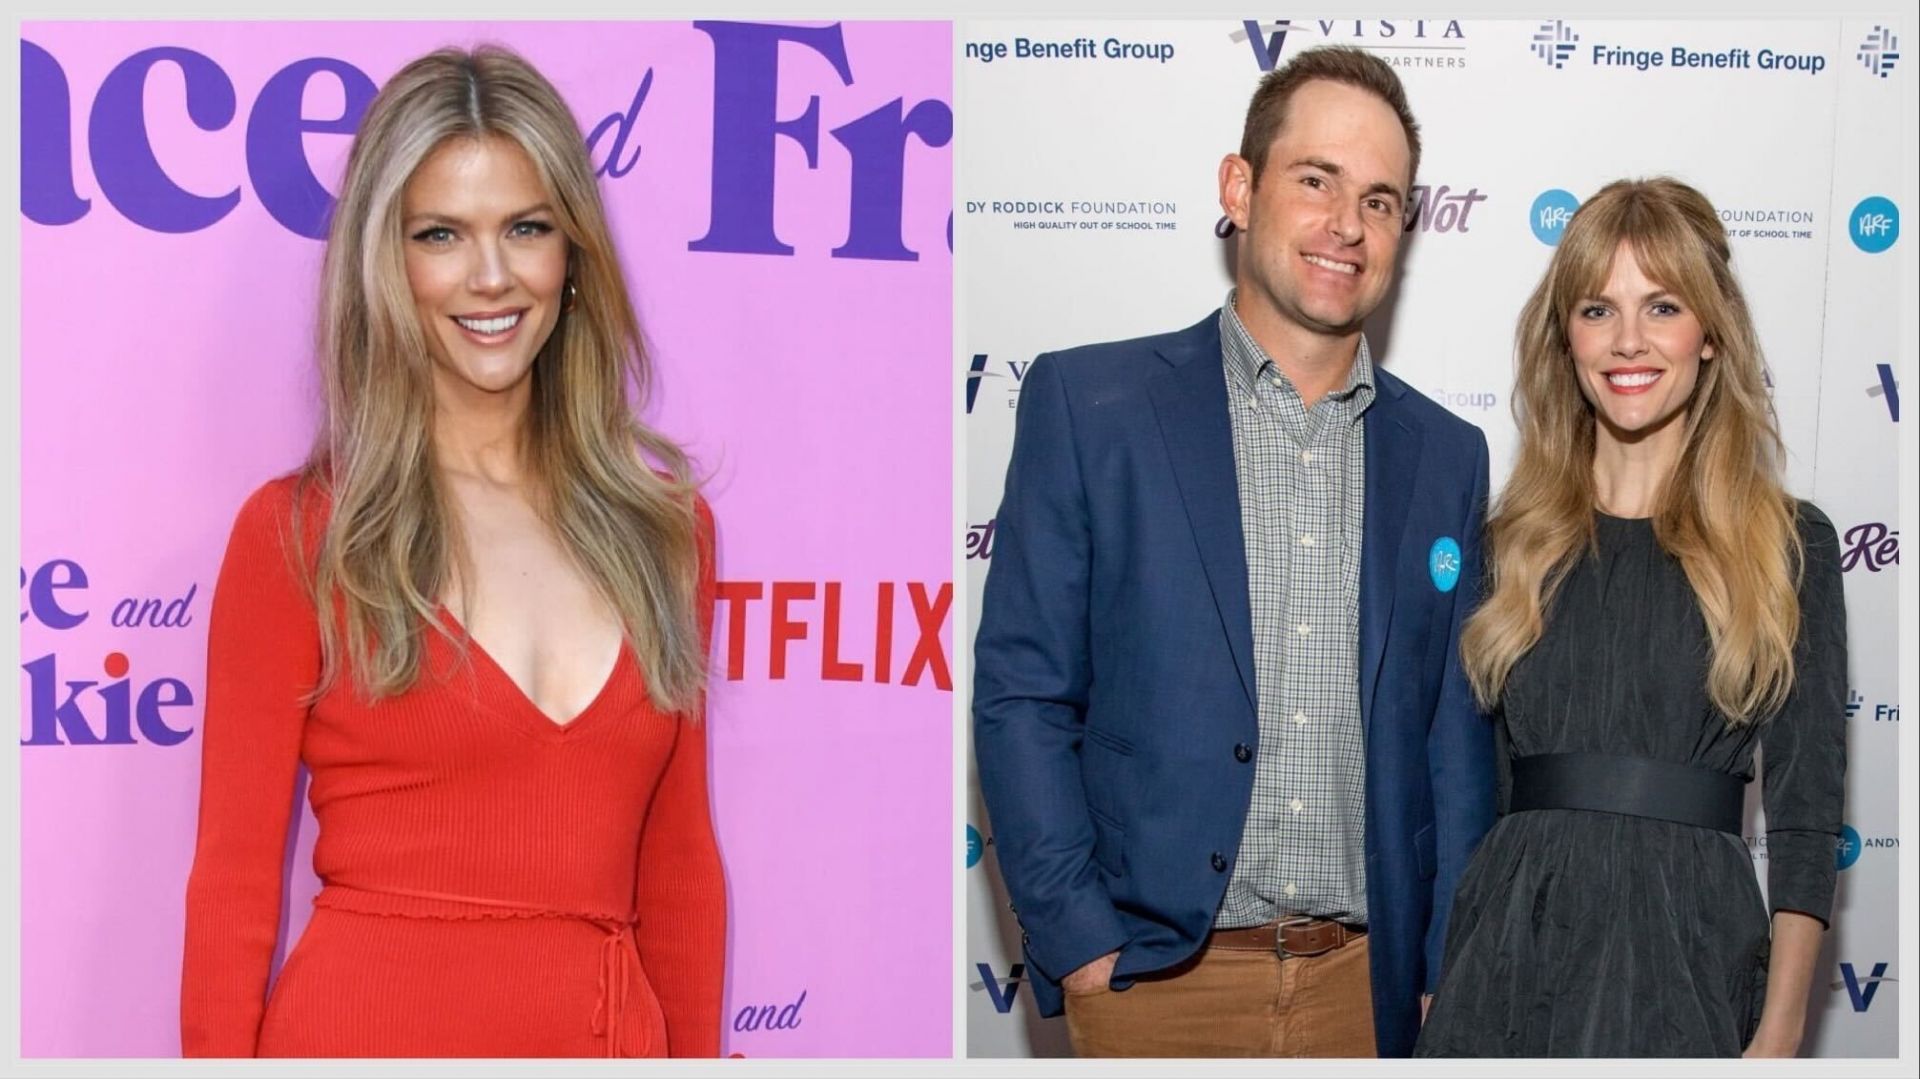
[(1407, 42), (978, 371), (1860, 990), (1874, 224), (1550, 213), (1553, 42), (1266, 41), (1879, 52), (1002, 990), (1888, 388)]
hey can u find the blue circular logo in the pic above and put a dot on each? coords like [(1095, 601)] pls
[(1550, 214), (1847, 850), (1874, 225), (975, 847), (1443, 563)]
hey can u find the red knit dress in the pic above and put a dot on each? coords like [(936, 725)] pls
[(493, 884)]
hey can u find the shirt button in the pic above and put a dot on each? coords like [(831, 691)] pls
[(1306, 457), (1296, 805), (1304, 629), (1219, 862), (1243, 753), (1306, 541), (1300, 719), (1291, 890)]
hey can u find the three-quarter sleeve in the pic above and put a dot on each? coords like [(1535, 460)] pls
[(680, 892), (1803, 753), (263, 660)]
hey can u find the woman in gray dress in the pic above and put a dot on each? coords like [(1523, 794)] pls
[(1658, 607)]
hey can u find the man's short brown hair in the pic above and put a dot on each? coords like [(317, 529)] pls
[(1267, 112)]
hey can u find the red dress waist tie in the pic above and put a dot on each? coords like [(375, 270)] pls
[(619, 952)]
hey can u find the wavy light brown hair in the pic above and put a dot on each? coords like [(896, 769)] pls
[(1722, 512), (391, 542)]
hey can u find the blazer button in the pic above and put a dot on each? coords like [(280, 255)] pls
[(1219, 862), (1243, 753)]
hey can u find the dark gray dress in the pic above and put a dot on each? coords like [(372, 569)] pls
[(1581, 934)]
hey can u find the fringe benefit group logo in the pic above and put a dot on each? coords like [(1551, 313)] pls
[(1554, 42), (1557, 44), (1879, 52)]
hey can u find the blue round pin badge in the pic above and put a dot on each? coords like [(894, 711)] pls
[(975, 846), (1443, 563)]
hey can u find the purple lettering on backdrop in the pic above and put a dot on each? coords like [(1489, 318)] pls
[(54, 709), (123, 162), (878, 143), (1872, 545), (622, 125), (276, 144), (746, 74), (152, 727), (51, 715), (47, 196), (42, 604)]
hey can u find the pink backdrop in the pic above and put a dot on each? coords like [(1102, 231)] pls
[(167, 373)]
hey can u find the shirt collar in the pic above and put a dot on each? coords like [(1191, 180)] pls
[(1245, 361)]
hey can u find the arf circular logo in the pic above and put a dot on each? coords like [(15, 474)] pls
[(975, 847), (1550, 214), (1847, 850), (1443, 563), (1874, 224)]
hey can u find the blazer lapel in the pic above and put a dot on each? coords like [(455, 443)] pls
[(1393, 460), (1191, 403)]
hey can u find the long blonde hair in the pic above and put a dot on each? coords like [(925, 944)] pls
[(391, 542), (1722, 512)]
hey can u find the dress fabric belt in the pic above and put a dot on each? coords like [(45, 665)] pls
[(1631, 786), (619, 952)]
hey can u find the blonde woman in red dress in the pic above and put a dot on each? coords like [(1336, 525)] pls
[(479, 615)]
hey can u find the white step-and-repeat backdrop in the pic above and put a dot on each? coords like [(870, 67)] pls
[(1089, 213)]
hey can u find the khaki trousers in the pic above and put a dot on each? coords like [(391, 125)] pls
[(1233, 1002)]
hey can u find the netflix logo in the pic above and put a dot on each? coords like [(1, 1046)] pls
[(885, 632)]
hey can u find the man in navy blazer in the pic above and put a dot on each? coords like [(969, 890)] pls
[(1181, 515)]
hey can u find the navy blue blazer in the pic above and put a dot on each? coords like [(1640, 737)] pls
[(1113, 668)]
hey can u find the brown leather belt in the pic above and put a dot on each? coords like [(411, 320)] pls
[(1294, 938)]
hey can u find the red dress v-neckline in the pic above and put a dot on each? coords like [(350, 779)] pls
[(524, 705)]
